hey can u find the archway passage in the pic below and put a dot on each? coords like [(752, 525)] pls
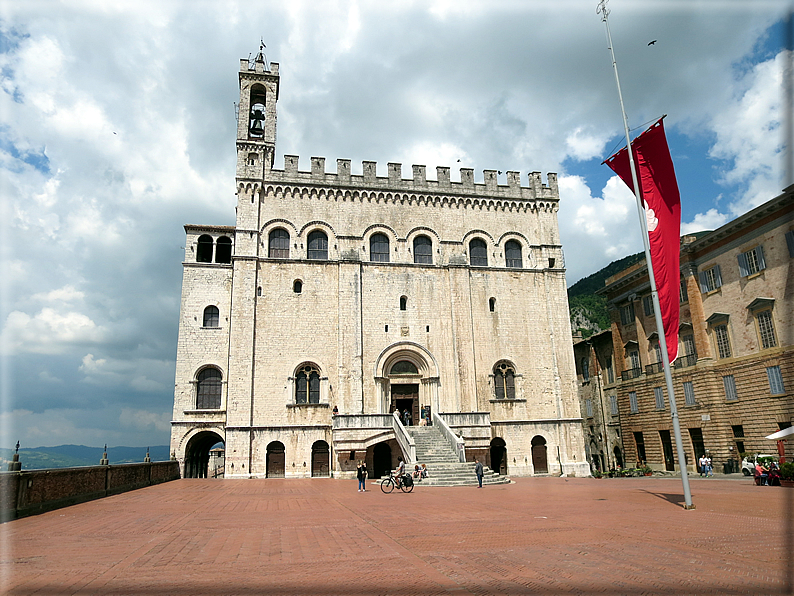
[(539, 460), (197, 454), (321, 458), (499, 456), (381, 460), (275, 460)]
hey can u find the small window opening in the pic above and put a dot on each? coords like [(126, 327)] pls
[(252, 159), (427, 329), (403, 302), (352, 455), (204, 250), (211, 316), (297, 286), (259, 291), (552, 260), (386, 328), (223, 250), (492, 304)]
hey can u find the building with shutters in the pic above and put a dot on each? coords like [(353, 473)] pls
[(342, 307), (734, 375)]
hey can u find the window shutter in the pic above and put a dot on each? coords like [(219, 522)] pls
[(717, 276), (704, 286), (744, 270), (759, 253)]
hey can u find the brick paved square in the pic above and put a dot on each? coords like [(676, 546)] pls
[(320, 536)]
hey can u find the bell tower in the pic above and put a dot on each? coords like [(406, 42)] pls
[(256, 117)]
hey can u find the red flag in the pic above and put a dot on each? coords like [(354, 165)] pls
[(662, 203)]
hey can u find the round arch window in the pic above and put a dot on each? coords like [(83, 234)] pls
[(404, 367)]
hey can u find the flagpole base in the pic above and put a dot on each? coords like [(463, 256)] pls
[(692, 506)]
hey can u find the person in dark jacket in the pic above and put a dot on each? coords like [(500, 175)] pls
[(478, 470), (361, 474)]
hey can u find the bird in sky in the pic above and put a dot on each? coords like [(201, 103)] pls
[(650, 43)]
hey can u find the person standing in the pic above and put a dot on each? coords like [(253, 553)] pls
[(709, 469), (702, 465), (479, 471), (361, 474)]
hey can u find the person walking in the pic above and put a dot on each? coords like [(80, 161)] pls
[(361, 474), (478, 470)]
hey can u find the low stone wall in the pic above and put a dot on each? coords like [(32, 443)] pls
[(31, 492)]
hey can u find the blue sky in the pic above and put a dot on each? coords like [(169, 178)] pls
[(118, 128)]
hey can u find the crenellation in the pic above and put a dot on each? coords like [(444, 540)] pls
[(395, 173), (318, 167), (343, 170), (442, 176), (420, 175), (467, 178), (370, 169)]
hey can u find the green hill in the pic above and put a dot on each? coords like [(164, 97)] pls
[(71, 456)]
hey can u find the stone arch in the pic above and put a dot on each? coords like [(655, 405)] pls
[(196, 445), (424, 361), (406, 389), (471, 234), (498, 455), (321, 460), (540, 463), (275, 462)]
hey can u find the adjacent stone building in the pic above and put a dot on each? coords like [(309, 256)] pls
[(340, 298), (734, 374)]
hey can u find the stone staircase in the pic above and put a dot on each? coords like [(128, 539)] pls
[(443, 467)]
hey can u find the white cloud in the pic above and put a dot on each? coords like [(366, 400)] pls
[(67, 293), (710, 220), (584, 146), (144, 420), (49, 332)]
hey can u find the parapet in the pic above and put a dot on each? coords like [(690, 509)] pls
[(394, 181), (258, 66)]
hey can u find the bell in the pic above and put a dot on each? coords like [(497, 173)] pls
[(257, 128)]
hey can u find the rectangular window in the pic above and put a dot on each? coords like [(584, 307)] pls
[(613, 404), (689, 344), (610, 371), (738, 431), (657, 350), (589, 407), (710, 279), (790, 243), (683, 294), (766, 329), (752, 261), (634, 358), (689, 393), (639, 440), (647, 305), (775, 380), (723, 343), (633, 402), (627, 314), (729, 383), (658, 393)]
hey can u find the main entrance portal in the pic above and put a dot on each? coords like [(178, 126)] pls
[(406, 397)]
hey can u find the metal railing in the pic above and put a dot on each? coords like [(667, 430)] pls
[(458, 444), (685, 361), (654, 368), (631, 373), (404, 440)]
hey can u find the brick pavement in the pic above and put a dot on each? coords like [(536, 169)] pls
[(320, 536)]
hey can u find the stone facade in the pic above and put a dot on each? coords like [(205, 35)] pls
[(347, 296), (734, 375)]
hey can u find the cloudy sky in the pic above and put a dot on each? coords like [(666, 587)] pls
[(118, 127)]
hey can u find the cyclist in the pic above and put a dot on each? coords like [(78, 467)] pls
[(398, 474)]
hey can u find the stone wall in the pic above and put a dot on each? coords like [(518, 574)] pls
[(36, 491)]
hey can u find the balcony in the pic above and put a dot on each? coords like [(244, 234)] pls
[(631, 373), (654, 368), (686, 361)]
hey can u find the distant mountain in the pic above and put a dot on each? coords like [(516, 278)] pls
[(589, 310), (70, 456)]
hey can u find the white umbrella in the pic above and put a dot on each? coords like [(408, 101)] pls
[(781, 434)]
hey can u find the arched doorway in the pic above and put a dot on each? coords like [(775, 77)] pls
[(539, 460), (595, 458), (618, 457), (321, 458), (498, 456), (381, 460), (197, 454), (275, 460)]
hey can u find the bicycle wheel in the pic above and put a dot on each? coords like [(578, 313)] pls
[(387, 485), (406, 489)]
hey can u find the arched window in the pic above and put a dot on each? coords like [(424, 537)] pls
[(404, 367), (204, 249), (256, 114), (423, 250), (379, 248), (278, 244), (492, 304), (504, 381), (208, 390), (297, 286), (403, 302), (223, 251), (318, 246), (307, 385), (513, 254), (211, 316), (478, 253)]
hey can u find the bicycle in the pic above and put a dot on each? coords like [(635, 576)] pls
[(391, 483)]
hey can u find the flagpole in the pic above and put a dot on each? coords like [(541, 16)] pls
[(604, 12)]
